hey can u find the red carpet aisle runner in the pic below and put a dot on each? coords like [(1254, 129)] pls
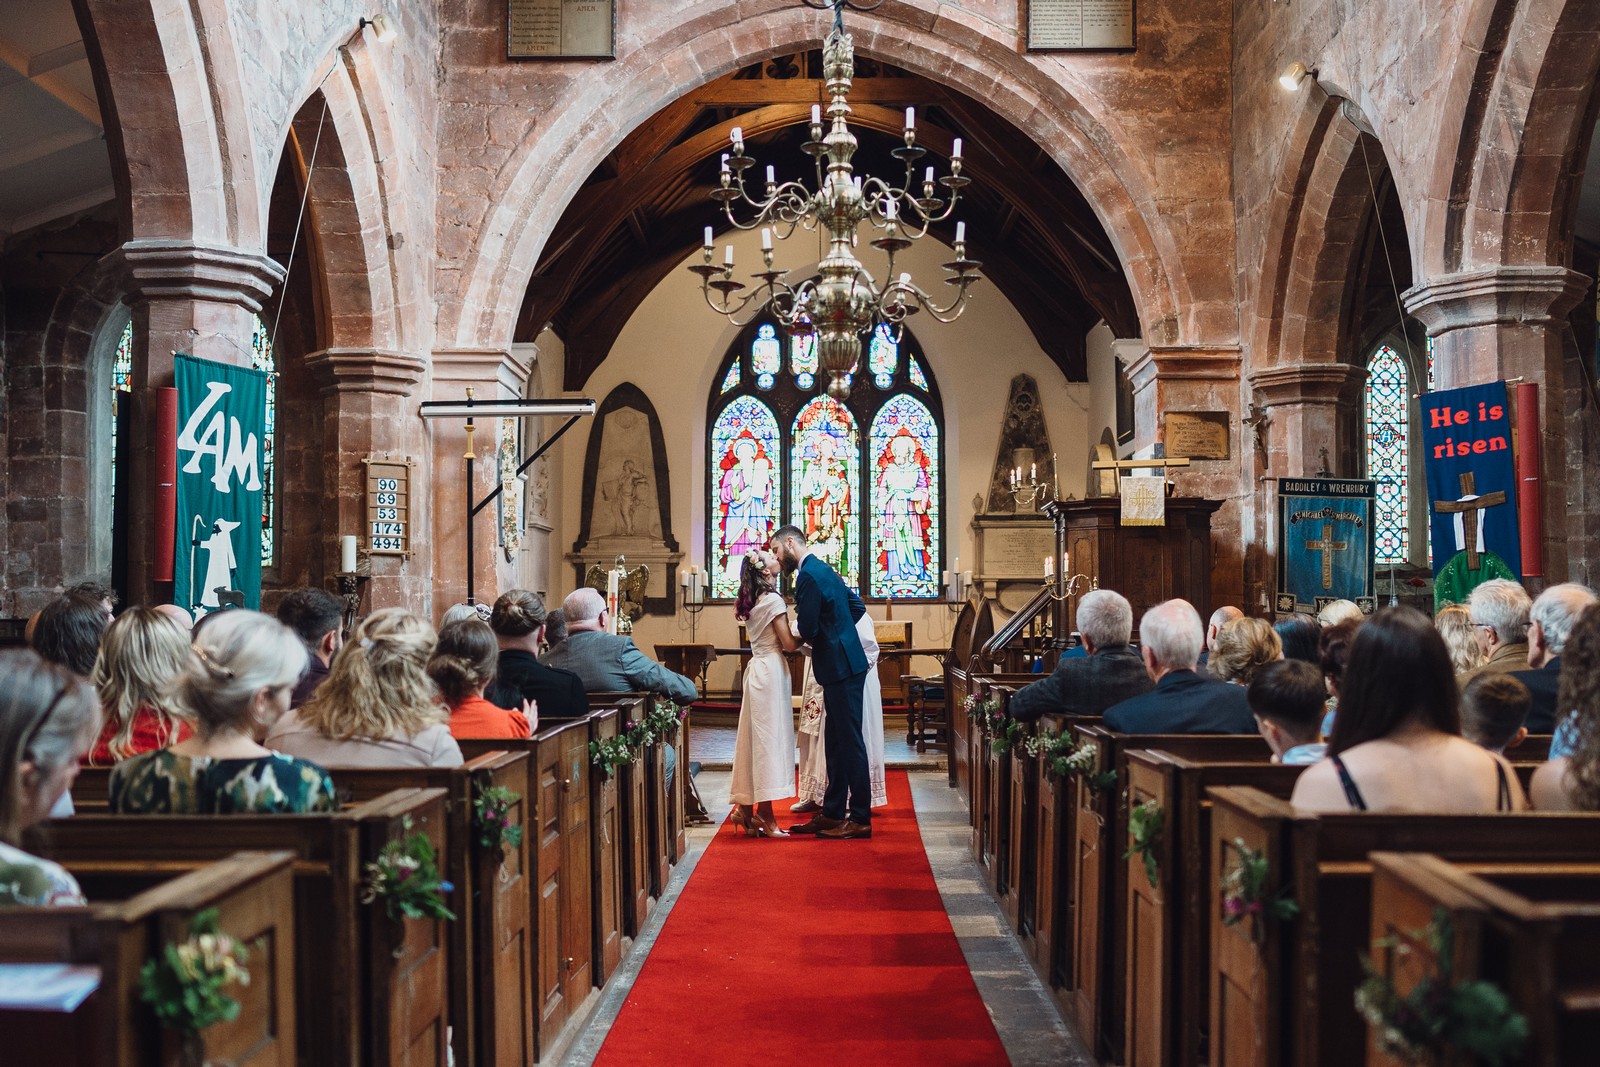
[(798, 951)]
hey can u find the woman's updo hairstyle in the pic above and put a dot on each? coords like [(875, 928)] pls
[(235, 656), (517, 613), (464, 659)]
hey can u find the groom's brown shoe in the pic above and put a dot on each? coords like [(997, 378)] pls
[(847, 831), (818, 824)]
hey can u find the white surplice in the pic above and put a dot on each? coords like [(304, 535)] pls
[(763, 750), (813, 760)]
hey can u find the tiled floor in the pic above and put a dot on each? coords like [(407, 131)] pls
[(711, 744), (1023, 1013)]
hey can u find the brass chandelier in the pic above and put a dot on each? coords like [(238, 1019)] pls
[(842, 302)]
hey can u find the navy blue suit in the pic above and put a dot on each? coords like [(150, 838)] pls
[(1184, 702), (826, 611), (1541, 683)]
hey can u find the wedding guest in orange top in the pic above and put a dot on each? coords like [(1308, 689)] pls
[(462, 666), (141, 656)]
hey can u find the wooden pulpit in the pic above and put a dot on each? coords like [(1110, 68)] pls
[(1146, 564)]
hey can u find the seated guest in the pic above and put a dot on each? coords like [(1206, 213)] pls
[(1336, 611), (1571, 781), (317, 618), (555, 630), (1333, 654), (1242, 647), (101, 594), (48, 719), (607, 662), (1500, 617), (518, 621), (234, 687), (1111, 673), (1219, 618), (141, 657), (1182, 702), (1397, 743), (1454, 623), (1286, 698), (1493, 710), (1550, 621), (460, 612), (178, 615), (69, 630), (463, 663), (378, 707), (1299, 634)]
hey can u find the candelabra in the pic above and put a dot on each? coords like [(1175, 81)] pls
[(694, 597), (843, 302), (1030, 492)]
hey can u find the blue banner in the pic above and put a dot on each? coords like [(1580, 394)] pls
[(1324, 543), (222, 413), (1472, 489)]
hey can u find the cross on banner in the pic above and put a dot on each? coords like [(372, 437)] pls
[(1327, 546), (1468, 507)]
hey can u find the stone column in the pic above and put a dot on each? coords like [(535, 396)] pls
[(1198, 378), (370, 409), (1511, 322), (492, 374), (190, 299)]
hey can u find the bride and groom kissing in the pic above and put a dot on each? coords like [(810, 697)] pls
[(826, 616)]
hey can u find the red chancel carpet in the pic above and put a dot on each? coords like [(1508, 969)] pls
[(798, 951)]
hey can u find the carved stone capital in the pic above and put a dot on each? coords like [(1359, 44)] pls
[(1189, 364), (174, 270), (456, 368), (1533, 295), (1307, 383), (367, 370)]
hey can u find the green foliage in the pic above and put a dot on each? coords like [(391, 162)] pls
[(1439, 1013), (492, 817), (1244, 887), (405, 877), (1145, 823), (185, 986), (1007, 734)]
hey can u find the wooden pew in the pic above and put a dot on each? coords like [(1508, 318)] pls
[(1284, 993), (1167, 944), (368, 991), (134, 913), (973, 627), (1529, 929), (664, 819), (1099, 875)]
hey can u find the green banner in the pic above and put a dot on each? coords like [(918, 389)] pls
[(222, 413)]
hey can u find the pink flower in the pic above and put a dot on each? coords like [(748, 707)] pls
[(1232, 906)]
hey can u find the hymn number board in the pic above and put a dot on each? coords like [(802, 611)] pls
[(388, 507)]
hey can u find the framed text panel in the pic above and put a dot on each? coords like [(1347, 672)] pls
[(1080, 25), (388, 499), (561, 29)]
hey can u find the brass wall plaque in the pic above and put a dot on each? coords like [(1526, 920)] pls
[(1080, 25), (1196, 434), (561, 29)]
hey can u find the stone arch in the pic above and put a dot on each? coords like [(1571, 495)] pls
[(1034, 93), (1508, 184)]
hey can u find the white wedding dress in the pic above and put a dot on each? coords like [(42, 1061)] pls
[(763, 750), (813, 758)]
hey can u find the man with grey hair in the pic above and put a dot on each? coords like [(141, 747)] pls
[(1112, 672), (607, 662), (1550, 623), (1183, 701), (1499, 617)]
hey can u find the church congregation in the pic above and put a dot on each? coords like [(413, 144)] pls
[(772, 531)]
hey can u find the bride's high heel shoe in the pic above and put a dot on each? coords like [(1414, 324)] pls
[(742, 817), (764, 827)]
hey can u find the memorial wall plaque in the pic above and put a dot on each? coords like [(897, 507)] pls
[(1080, 25), (1014, 549), (561, 29), (1196, 434)]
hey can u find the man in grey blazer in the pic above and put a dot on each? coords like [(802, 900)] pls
[(1110, 674)]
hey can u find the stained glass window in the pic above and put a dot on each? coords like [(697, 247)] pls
[(1431, 380), (121, 382), (904, 559), (746, 487), (826, 460), (766, 355), (1388, 426), (883, 356), (918, 379), (803, 359), (730, 380)]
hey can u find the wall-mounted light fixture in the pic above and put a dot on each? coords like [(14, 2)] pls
[(381, 26), (1296, 73)]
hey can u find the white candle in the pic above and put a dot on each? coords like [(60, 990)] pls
[(611, 600), (816, 114), (1049, 566), (766, 238), (738, 137), (1033, 472), (347, 554), (727, 256), (708, 236), (928, 178), (955, 152), (905, 281), (771, 177), (888, 207), (911, 118), (961, 233)]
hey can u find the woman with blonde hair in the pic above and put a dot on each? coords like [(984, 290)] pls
[(234, 686), (141, 655), (1454, 623), (1243, 646), (378, 707), (48, 720)]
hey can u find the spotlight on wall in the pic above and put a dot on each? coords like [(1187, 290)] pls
[(1291, 78), (381, 26)]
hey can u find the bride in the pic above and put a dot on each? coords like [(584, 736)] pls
[(763, 752)]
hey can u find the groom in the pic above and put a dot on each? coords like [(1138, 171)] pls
[(825, 621)]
